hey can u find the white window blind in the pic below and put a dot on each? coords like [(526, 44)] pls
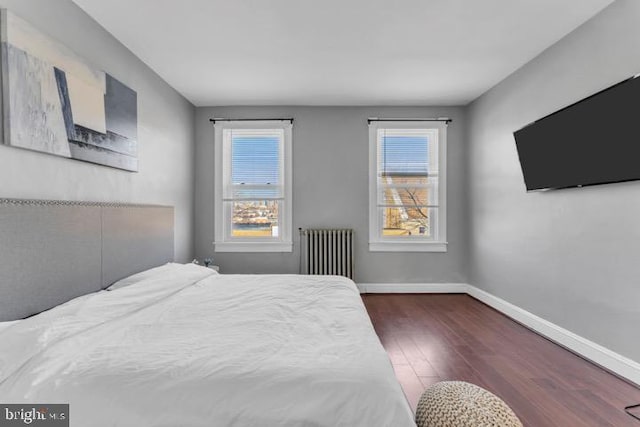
[(256, 164), (403, 152)]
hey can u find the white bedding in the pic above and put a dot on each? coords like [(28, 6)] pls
[(193, 348)]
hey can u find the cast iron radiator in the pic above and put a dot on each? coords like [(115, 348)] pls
[(326, 251)]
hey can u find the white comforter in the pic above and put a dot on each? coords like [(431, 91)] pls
[(192, 348)]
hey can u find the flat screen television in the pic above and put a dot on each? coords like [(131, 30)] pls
[(594, 141)]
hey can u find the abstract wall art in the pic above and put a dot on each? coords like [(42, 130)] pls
[(53, 101)]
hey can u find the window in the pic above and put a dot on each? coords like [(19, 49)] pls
[(407, 186), (253, 186)]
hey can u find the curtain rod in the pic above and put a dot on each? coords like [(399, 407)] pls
[(406, 119), (218, 119)]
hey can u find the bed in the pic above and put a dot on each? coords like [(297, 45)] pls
[(180, 345)]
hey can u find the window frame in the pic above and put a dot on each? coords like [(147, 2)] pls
[(223, 241), (380, 243)]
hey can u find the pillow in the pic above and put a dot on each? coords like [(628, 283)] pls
[(5, 325), (154, 273), (138, 277)]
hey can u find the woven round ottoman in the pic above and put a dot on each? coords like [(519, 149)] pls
[(460, 404)]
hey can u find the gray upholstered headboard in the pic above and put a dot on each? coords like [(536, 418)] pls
[(53, 251)]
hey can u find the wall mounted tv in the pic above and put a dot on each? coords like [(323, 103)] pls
[(594, 141)]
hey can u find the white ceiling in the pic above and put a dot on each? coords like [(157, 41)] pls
[(337, 52)]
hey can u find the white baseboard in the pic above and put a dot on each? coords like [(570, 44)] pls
[(412, 288), (608, 359), (596, 353)]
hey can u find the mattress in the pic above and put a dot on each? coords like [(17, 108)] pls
[(189, 347)]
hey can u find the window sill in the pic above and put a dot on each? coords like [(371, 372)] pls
[(407, 246), (253, 246)]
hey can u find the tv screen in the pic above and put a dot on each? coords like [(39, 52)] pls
[(594, 141)]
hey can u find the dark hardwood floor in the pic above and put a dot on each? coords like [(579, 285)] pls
[(436, 337)]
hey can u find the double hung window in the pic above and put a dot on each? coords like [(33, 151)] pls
[(253, 186), (407, 183)]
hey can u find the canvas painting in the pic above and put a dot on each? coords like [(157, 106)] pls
[(55, 102)]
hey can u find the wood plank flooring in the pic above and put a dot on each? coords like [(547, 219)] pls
[(435, 337)]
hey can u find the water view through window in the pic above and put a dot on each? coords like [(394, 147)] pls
[(255, 219)]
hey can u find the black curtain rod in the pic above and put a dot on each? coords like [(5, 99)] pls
[(439, 119), (288, 119)]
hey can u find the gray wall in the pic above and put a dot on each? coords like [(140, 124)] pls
[(570, 256), (330, 189), (165, 130)]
